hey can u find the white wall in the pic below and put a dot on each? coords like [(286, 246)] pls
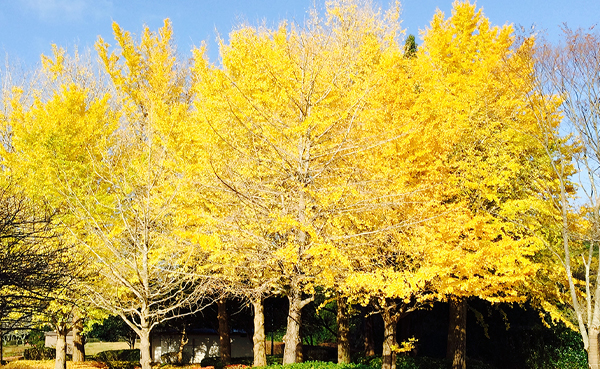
[(198, 347), (50, 341)]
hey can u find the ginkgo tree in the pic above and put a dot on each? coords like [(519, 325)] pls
[(316, 155), (49, 123), (112, 149), (473, 86), (149, 246), (295, 124)]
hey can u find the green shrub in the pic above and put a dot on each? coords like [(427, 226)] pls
[(318, 365), (564, 350), (36, 338), (212, 361), (273, 360), (216, 361), (39, 353), (409, 362), (118, 355), (121, 364)]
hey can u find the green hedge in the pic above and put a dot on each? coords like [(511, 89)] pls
[(216, 361), (372, 362), (318, 365), (121, 365), (39, 353), (118, 356), (408, 362)]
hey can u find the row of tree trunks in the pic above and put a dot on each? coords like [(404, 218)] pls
[(456, 348), (63, 327)]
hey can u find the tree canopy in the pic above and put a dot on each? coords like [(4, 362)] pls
[(331, 155)]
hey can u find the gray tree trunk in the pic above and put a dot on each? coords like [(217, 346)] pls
[(145, 354), (260, 354), (456, 350), (78, 338), (593, 350), (388, 357), (224, 339), (60, 361), (184, 340), (369, 341), (343, 333), (292, 335)]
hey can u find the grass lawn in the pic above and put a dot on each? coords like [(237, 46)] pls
[(91, 348), (8, 351), (49, 364)]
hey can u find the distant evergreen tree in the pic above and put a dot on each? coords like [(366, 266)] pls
[(410, 47)]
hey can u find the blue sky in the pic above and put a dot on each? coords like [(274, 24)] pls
[(29, 27)]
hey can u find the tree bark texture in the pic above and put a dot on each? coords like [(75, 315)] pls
[(224, 339), (456, 350), (184, 340), (60, 361), (260, 354), (343, 333), (369, 341), (292, 335), (78, 338), (145, 354), (593, 349), (388, 357)]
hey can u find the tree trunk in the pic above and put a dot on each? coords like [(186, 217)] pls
[(1, 348), (388, 356), (300, 346), (224, 339), (260, 355), (593, 349), (369, 341), (60, 361), (131, 340), (292, 334), (343, 333), (456, 350), (78, 339), (145, 354), (184, 340)]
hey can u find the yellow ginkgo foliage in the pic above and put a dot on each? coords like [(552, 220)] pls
[(304, 132), (474, 86), (113, 150)]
